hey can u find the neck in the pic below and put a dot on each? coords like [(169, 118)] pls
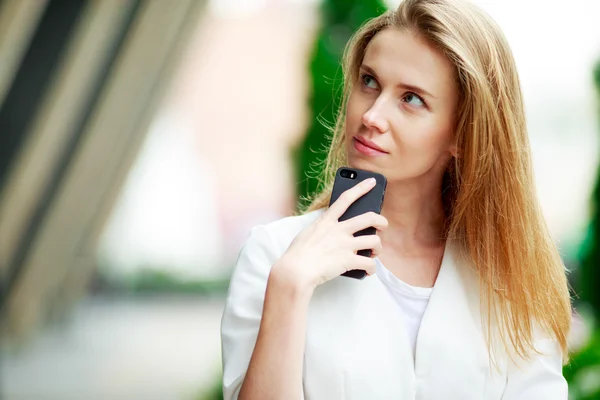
[(415, 214)]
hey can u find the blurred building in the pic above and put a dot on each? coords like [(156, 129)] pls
[(80, 83)]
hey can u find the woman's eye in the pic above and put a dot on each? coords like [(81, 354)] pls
[(413, 100), (367, 80)]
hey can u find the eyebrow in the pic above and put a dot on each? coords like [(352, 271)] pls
[(413, 88)]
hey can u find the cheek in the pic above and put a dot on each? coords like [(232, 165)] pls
[(426, 137), (420, 148)]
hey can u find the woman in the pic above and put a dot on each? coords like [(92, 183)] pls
[(466, 296)]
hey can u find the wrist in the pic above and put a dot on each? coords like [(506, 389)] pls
[(288, 279)]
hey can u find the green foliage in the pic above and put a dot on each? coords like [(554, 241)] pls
[(340, 18), (590, 266), (157, 280), (160, 281), (213, 393), (583, 372)]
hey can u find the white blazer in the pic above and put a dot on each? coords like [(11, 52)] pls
[(356, 344)]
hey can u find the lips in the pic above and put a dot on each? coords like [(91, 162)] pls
[(367, 147)]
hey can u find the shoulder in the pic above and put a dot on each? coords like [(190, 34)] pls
[(280, 233), (267, 242)]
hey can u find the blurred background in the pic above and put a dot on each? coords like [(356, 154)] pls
[(140, 140)]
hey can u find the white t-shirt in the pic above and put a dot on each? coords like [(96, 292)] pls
[(412, 301)]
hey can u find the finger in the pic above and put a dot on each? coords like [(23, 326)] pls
[(363, 221), (339, 207), (368, 242), (364, 263)]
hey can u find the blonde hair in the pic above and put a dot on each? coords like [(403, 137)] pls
[(488, 191)]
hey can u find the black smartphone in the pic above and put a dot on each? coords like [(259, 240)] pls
[(345, 178)]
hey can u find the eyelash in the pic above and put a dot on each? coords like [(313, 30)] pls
[(362, 82)]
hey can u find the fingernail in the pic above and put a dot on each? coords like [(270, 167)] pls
[(370, 181)]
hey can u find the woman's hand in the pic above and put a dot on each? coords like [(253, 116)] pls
[(328, 248)]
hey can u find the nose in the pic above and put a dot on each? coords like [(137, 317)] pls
[(374, 119)]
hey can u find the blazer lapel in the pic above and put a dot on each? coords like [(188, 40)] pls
[(451, 357)]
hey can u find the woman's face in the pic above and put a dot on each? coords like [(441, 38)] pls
[(400, 114)]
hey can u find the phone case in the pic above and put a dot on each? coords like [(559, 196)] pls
[(371, 201)]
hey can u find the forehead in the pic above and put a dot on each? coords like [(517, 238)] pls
[(401, 56)]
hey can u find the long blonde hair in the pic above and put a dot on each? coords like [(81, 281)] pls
[(489, 192)]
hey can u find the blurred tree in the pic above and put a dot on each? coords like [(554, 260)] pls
[(583, 371), (339, 19), (590, 266)]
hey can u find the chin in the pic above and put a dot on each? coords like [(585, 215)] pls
[(361, 163)]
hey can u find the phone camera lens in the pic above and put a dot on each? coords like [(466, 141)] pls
[(345, 173)]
